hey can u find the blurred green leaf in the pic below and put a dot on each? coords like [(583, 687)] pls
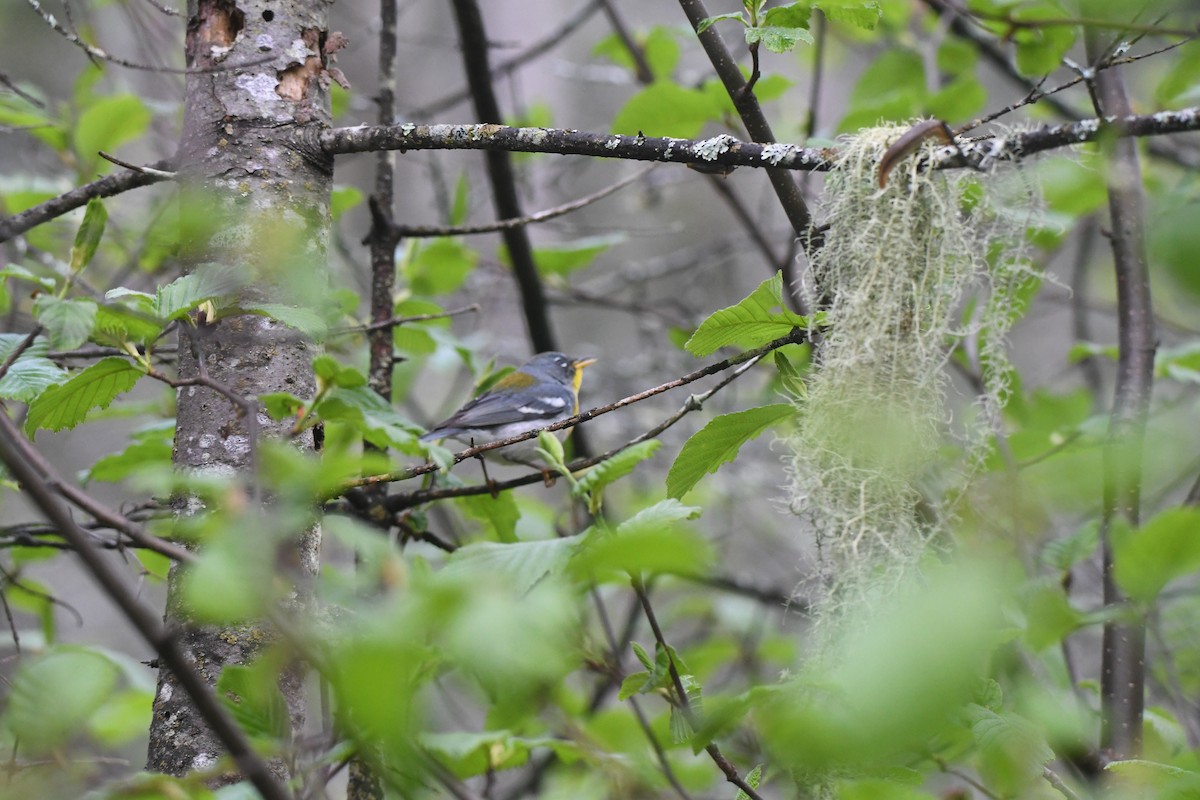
[(1167, 547), (524, 563), (344, 198), (150, 450), (440, 266), (650, 541), (105, 125), (123, 718), (718, 443), (53, 695), (565, 258), (499, 512), (665, 108), (251, 694)]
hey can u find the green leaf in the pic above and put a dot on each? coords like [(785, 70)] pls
[(1064, 553), (440, 266), (561, 259), (499, 512), (1049, 616), (756, 320), (150, 450), (782, 28), (649, 541), (17, 272), (595, 479), (31, 373), (342, 199), (65, 405), (251, 693), (462, 200), (52, 696), (708, 22), (123, 718), (753, 778), (69, 323), (1040, 48), (280, 405), (106, 125), (303, 319), (87, 239), (665, 108), (863, 14), (376, 419), (206, 282), (525, 563), (718, 443), (1165, 548), (1180, 85)]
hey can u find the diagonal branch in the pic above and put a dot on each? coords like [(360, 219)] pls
[(170, 654)]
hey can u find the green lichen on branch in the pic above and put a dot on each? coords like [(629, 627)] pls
[(901, 266)]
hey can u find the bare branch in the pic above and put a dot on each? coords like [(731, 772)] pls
[(726, 150)]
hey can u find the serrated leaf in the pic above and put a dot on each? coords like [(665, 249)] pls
[(642, 655), (68, 323), (756, 320), (87, 238), (525, 563), (753, 778), (375, 418), (67, 404), (718, 443), (31, 373), (207, 282), (600, 476), (1064, 553), (776, 39)]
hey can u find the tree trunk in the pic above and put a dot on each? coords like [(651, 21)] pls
[(255, 200)]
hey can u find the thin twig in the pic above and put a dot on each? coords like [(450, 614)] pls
[(528, 219), (685, 706), (400, 502)]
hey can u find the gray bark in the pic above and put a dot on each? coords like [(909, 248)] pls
[(254, 200)]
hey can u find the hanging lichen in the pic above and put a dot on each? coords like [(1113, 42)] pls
[(899, 269)]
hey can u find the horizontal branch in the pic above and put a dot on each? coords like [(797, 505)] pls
[(104, 187), (724, 150)]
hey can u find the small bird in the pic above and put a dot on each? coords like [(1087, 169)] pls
[(541, 392)]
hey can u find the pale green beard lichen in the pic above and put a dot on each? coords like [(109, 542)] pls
[(899, 266)]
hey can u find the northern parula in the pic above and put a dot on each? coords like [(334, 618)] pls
[(541, 392)]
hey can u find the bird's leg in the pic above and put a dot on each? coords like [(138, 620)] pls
[(486, 478)]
